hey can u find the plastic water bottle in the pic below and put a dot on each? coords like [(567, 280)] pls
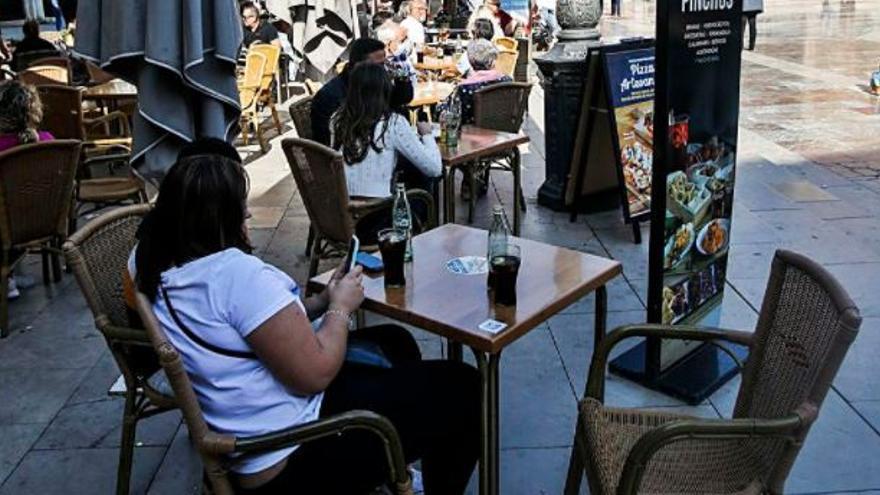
[(497, 243), (401, 216)]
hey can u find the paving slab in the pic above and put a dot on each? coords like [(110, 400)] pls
[(36, 395), (17, 440), (856, 377), (181, 469)]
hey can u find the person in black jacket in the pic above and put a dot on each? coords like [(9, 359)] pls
[(30, 44)]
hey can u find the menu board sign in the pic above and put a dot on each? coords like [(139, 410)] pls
[(630, 85), (694, 172)]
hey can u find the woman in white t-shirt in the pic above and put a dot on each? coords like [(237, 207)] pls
[(256, 363), (371, 137)]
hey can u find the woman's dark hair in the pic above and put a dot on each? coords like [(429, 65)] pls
[(200, 211), (20, 111), (483, 29), (360, 50), (367, 103)]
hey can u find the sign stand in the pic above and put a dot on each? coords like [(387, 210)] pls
[(614, 137), (697, 114)]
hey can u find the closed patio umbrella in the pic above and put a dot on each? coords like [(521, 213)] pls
[(181, 55)]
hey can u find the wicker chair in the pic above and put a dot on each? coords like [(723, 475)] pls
[(98, 255), (249, 94), (506, 61), (215, 447), (36, 184), (301, 114), (44, 74), (23, 60), (266, 98), (64, 118), (320, 178), (506, 43), (806, 325), (501, 107)]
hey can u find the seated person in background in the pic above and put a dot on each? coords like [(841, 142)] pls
[(257, 364), (482, 29), (5, 54), (329, 98), (501, 18), (30, 44), (20, 115), (481, 55), (413, 14), (256, 28), (370, 136), (485, 13)]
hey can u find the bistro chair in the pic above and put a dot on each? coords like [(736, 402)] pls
[(36, 184), (320, 177), (249, 94), (215, 447), (270, 71), (26, 59), (506, 43), (301, 114), (500, 107), (807, 323), (64, 118), (98, 255), (44, 74), (506, 61)]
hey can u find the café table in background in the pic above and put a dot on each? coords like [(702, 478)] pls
[(476, 143), (114, 90), (550, 279), (427, 94)]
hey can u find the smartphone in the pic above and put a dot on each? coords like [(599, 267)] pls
[(351, 257), (372, 264)]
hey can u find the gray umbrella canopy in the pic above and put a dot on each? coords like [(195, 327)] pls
[(181, 55)]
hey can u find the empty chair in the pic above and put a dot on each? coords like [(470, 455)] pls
[(506, 61), (806, 324), (36, 187), (506, 42), (249, 94), (98, 255), (270, 71), (301, 114)]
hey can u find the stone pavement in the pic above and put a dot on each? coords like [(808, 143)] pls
[(807, 180)]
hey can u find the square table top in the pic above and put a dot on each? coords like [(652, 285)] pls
[(452, 305), (116, 88), (477, 142)]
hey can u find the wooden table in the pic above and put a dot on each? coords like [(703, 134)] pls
[(550, 278), (426, 94), (473, 144), (114, 90)]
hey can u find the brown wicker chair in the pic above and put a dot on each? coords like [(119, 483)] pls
[(64, 118), (36, 184), (98, 255), (807, 323), (214, 447), (301, 114), (320, 178), (501, 107)]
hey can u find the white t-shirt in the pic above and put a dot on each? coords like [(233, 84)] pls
[(415, 31), (222, 298)]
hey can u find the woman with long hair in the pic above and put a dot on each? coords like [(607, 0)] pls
[(244, 331), (370, 135), (20, 115)]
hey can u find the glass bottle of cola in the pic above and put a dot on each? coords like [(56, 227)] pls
[(401, 217)]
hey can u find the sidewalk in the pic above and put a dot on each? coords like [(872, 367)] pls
[(808, 180)]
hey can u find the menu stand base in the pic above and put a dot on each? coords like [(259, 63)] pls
[(692, 379)]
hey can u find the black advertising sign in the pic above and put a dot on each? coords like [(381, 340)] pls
[(697, 107), (629, 79)]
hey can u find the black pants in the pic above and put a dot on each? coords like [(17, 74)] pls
[(434, 405), (750, 18)]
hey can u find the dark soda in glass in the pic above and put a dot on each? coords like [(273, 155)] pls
[(503, 272), (392, 244)]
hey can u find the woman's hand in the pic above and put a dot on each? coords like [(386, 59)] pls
[(347, 292), (423, 128)]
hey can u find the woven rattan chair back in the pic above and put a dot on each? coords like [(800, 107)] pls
[(506, 61), (273, 55), (249, 84), (502, 106), (210, 445), (44, 74), (506, 43), (806, 325), (301, 114), (23, 60), (62, 111), (320, 177), (36, 188), (98, 254)]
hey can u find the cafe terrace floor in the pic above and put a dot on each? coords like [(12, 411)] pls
[(808, 179)]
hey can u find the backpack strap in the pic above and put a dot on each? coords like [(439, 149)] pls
[(198, 340)]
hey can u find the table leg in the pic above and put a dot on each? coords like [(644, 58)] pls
[(454, 351), (517, 190), (489, 462), (448, 196), (601, 315)]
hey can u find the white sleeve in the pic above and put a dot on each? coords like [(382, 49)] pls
[(422, 152), (258, 292)]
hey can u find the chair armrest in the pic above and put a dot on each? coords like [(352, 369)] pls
[(335, 425), (596, 378), (111, 117), (706, 429)]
